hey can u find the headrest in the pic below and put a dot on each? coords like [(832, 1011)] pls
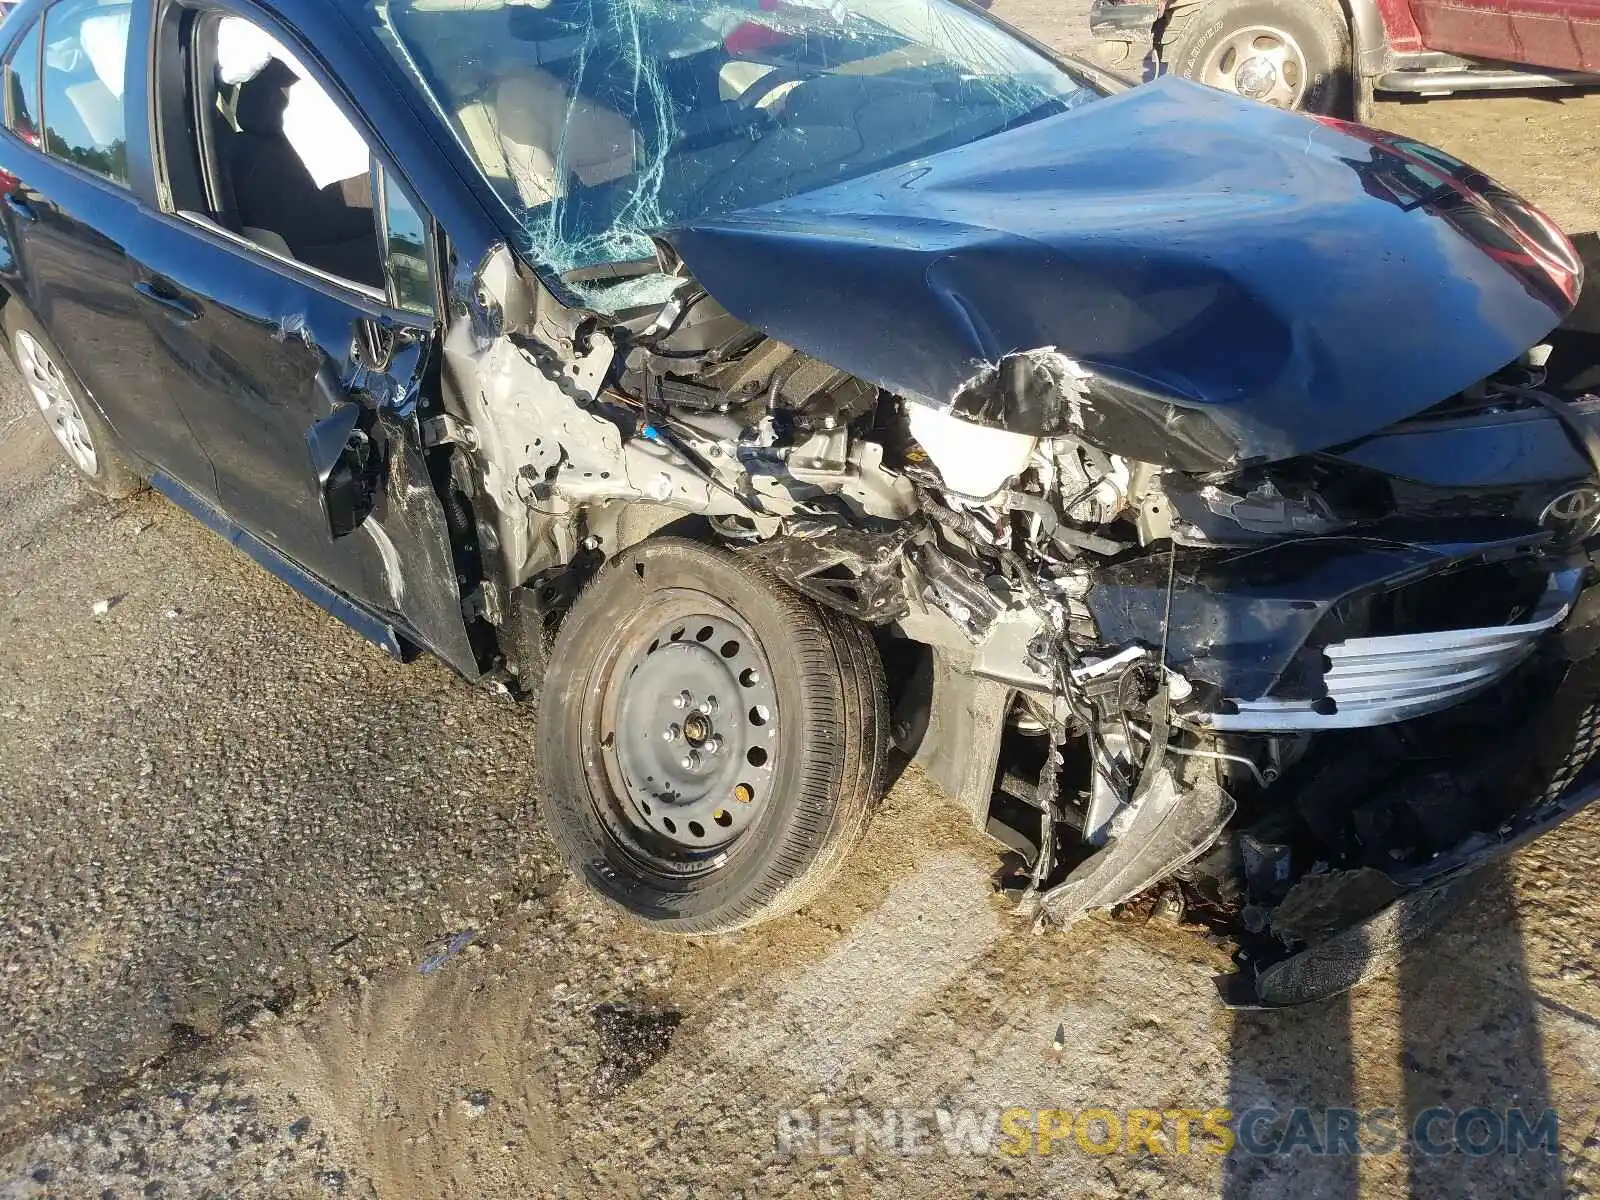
[(263, 99)]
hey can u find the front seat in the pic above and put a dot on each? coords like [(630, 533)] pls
[(274, 192), (547, 137)]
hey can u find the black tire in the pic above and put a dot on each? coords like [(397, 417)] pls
[(1194, 31), (828, 737), (114, 474)]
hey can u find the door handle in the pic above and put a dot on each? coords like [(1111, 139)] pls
[(20, 206), (162, 295)]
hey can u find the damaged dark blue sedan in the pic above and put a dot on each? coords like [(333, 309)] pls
[(1204, 495)]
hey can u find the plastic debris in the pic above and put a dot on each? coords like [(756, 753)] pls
[(451, 946)]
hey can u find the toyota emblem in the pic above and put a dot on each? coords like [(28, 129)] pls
[(1574, 515)]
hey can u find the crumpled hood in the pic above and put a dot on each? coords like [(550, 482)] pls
[(1280, 283)]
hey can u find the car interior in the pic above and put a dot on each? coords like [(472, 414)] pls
[(278, 163), (84, 51), (274, 198)]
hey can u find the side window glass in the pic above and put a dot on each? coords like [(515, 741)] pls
[(293, 174), (22, 88), (406, 249), (85, 54)]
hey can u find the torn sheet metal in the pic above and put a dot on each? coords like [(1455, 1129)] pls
[(547, 447), (1233, 277)]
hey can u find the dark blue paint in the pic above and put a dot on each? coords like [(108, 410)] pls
[(1298, 284), (213, 362), (367, 624), (1256, 266), (1495, 451), (1240, 621)]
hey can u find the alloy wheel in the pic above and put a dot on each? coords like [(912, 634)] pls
[(55, 400)]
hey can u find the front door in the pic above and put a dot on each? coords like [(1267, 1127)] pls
[(299, 340)]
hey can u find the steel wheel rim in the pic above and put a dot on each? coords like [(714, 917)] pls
[(55, 400), (683, 733), (1260, 63)]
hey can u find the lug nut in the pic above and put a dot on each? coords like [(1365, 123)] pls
[(691, 761), (671, 733), (710, 705), (682, 700), (713, 745)]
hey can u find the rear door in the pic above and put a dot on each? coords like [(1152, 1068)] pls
[(1557, 35), (70, 212), (300, 321)]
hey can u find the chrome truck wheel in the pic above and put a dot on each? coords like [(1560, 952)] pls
[(1291, 54), (1259, 63)]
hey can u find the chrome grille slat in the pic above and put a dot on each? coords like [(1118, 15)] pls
[(1378, 681)]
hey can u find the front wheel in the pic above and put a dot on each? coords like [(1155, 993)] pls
[(710, 742), (1292, 54)]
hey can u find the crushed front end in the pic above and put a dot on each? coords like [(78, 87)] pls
[(1277, 698), (1297, 703), (1228, 545)]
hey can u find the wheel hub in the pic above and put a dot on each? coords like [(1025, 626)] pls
[(1259, 63), (1256, 77), (695, 734), (696, 729)]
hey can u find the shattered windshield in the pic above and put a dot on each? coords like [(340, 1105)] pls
[(601, 122)]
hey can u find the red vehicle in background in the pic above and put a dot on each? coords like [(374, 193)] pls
[(1325, 56)]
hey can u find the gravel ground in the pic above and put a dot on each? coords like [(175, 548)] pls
[(278, 919)]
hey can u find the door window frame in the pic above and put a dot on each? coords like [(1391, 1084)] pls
[(128, 110), (380, 163), (6, 60)]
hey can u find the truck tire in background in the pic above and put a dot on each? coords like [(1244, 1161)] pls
[(1292, 54)]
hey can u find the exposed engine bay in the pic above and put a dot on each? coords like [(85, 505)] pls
[(1107, 662)]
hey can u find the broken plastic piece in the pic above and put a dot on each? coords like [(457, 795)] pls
[(452, 946), (1170, 826)]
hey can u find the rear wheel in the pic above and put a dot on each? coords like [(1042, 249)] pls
[(1292, 54), (710, 742), (67, 411)]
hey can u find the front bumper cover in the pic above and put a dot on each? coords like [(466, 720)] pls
[(1436, 890)]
